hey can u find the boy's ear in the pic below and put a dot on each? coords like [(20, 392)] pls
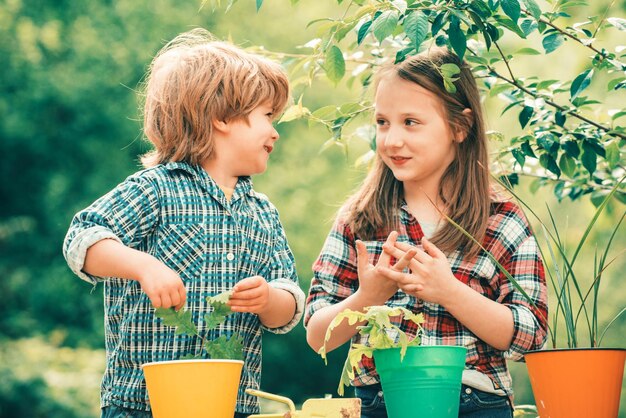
[(461, 133), (220, 125)]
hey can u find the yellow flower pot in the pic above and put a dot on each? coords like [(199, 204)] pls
[(193, 388)]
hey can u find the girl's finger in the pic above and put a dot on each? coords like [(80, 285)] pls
[(385, 258), (432, 250), (394, 275), (404, 260), (420, 255), (361, 255)]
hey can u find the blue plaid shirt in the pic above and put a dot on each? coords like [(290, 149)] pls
[(177, 213)]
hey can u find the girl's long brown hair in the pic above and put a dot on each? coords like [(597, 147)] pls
[(465, 189)]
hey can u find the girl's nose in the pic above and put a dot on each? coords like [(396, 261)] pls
[(393, 138), (275, 134)]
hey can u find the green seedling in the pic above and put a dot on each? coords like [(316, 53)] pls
[(381, 333), (230, 348)]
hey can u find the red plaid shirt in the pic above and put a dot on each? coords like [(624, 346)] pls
[(508, 239)]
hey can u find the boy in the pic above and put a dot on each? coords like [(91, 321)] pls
[(190, 225)]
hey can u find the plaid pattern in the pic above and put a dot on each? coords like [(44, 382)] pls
[(179, 214), (510, 241)]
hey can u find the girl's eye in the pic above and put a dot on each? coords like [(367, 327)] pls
[(380, 122), (270, 115), (411, 122)]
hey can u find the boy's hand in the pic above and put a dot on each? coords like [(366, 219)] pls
[(163, 286), (251, 294)]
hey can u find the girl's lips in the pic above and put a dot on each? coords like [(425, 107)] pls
[(399, 160), (268, 148)]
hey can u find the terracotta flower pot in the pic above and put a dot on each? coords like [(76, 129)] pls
[(576, 383)]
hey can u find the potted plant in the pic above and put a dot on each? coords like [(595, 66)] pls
[(580, 379), (200, 384), (405, 367), (576, 377)]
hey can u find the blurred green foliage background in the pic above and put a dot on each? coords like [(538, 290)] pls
[(70, 131)]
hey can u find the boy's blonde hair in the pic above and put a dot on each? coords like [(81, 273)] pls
[(195, 80)]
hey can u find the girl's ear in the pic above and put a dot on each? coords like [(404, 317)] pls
[(461, 133)]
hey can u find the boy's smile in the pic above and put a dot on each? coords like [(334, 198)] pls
[(242, 146)]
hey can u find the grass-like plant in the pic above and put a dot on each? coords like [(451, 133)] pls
[(575, 299), (381, 334), (230, 348)]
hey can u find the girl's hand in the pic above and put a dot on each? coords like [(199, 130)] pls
[(430, 276), (251, 294), (373, 285), (163, 286)]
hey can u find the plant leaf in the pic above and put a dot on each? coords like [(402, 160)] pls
[(416, 28), (512, 9), (552, 41), (225, 347), (525, 115), (533, 8), (580, 83), (385, 24), (180, 319), (457, 38), (334, 64)]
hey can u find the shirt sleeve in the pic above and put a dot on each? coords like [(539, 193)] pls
[(126, 214), (283, 276), (529, 312), (334, 272)]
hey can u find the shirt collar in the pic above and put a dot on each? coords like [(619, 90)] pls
[(243, 186)]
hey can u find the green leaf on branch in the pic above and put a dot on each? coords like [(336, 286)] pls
[(416, 28), (567, 165), (527, 51), (180, 319), (528, 151), (552, 41), (580, 83), (385, 24), (512, 9), (548, 162), (533, 8), (218, 315), (457, 38), (259, 3), (225, 348), (525, 115), (363, 31), (334, 64), (559, 118), (571, 148), (612, 154), (450, 73), (589, 158), (510, 25), (519, 157)]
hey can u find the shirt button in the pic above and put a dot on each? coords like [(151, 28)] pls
[(230, 256), (468, 390)]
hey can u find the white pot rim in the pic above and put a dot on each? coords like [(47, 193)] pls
[(156, 363)]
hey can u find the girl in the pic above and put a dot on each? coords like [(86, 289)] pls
[(431, 165)]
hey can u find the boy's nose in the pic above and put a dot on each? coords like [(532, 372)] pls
[(275, 134)]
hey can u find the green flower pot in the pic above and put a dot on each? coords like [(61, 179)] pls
[(426, 383)]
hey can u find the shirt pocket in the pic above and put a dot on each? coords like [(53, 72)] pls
[(182, 247)]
